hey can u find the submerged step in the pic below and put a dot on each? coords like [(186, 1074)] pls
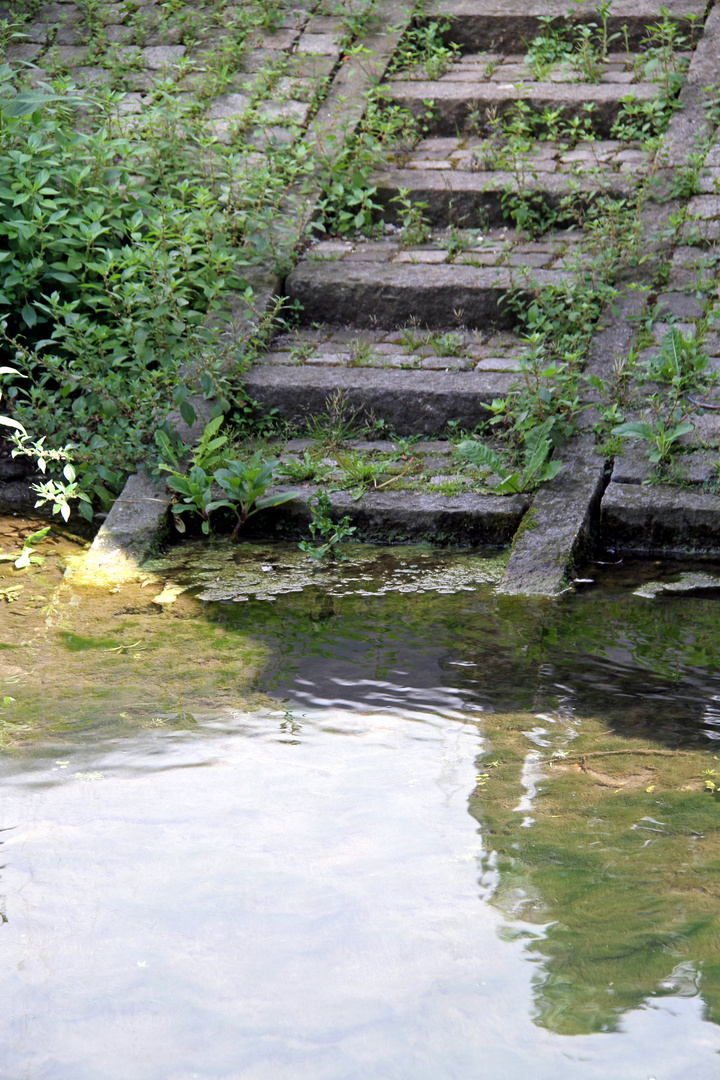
[(384, 284), (408, 402)]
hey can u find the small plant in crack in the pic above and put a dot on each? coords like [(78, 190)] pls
[(425, 45), (307, 469), (415, 227), (449, 344), (325, 529), (361, 354)]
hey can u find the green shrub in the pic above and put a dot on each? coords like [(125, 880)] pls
[(112, 257)]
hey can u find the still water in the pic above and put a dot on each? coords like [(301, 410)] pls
[(345, 836)]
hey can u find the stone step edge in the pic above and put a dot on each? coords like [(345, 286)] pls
[(482, 25), (414, 402), (660, 520), (399, 517), (475, 199), (560, 527), (391, 294)]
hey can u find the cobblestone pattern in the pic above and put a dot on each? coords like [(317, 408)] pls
[(474, 154), (409, 349), (624, 69), (265, 90)]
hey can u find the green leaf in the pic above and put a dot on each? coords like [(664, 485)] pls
[(188, 413), (634, 430), (510, 485), (274, 500), (482, 456), (29, 315), (6, 421)]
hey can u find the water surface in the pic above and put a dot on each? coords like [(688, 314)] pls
[(348, 836)]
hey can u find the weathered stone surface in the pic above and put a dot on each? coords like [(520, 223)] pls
[(318, 44), (646, 520), (130, 533), (507, 25), (473, 199), (159, 56), (553, 534), (681, 306), (228, 106), (411, 402), (453, 101), (392, 295), (459, 519)]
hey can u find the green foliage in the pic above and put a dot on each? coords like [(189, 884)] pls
[(536, 466), (680, 361), (243, 483), (415, 228), (552, 45), (660, 435), (348, 160), (330, 533), (425, 45), (112, 258), (307, 469), (359, 472), (642, 121)]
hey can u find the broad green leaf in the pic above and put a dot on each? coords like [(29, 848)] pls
[(634, 430)]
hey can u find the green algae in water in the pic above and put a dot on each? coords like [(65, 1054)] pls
[(227, 572)]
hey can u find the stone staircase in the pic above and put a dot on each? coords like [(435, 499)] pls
[(417, 337)]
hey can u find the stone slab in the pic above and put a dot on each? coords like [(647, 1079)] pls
[(558, 525), (507, 25), (659, 519), (391, 295), (411, 402), (454, 101), (470, 200), (399, 517)]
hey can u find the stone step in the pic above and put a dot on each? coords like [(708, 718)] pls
[(461, 106), (510, 24), (658, 519), (383, 284), (466, 519), (407, 402), (476, 199)]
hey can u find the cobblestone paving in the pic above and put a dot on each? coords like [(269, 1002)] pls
[(256, 89)]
